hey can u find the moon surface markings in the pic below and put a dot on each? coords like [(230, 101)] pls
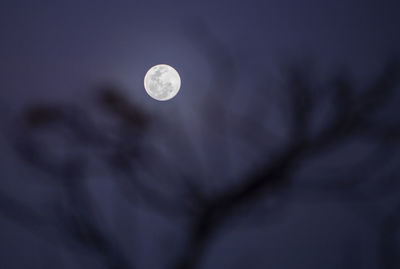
[(162, 82)]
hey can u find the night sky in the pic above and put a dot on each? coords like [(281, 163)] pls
[(80, 66)]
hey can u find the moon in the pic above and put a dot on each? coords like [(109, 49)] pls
[(162, 82)]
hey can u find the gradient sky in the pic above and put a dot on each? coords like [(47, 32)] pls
[(51, 48), (56, 50)]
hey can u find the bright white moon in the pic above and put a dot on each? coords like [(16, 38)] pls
[(162, 82)]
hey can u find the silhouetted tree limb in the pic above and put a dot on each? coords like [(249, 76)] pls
[(120, 142), (276, 174)]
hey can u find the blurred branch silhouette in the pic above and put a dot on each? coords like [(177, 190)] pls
[(67, 141)]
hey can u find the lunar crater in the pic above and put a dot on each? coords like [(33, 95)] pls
[(162, 82)]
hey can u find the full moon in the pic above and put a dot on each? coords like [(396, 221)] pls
[(162, 82)]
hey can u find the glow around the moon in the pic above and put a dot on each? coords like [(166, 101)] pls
[(162, 82)]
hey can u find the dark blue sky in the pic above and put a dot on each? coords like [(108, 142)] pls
[(56, 46), (55, 51)]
